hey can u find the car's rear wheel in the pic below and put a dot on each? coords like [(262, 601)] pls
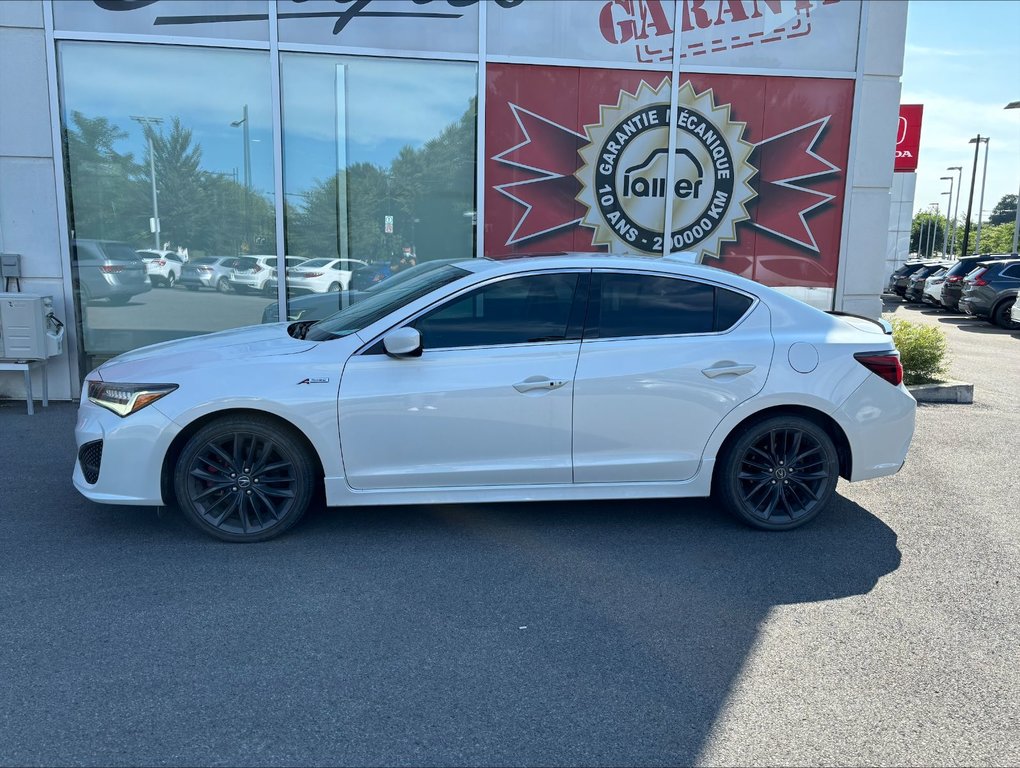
[(171, 281), (244, 479), (223, 285), (1001, 316), (779, 474), (334, 287)]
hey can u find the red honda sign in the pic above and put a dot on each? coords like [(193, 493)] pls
[(908, 137)]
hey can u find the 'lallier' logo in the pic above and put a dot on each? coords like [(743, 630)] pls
[(706, 26)]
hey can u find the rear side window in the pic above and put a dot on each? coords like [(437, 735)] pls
[(1012, 271), (645, 305), (120, 252)]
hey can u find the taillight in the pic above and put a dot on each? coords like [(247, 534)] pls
[(161, 263), (954, 279), (884, 364), (111, 269), (979, 278), (257, 268), (310, 274)]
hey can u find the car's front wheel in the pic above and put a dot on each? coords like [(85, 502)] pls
[(244, 479), (779, 473)]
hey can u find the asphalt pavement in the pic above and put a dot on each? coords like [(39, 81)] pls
[(614, 633)]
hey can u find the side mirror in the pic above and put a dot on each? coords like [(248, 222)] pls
[(403, 342)]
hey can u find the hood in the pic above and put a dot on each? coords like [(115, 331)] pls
[(162, 362)]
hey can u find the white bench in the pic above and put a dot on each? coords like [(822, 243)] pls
[(26, 366)]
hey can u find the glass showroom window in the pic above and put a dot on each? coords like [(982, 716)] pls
[(169, 155), (379, 171)]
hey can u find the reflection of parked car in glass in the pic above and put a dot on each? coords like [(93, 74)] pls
[(253, 272), (164, 267), (209, 272), (106, 269), (316, 306), (322, 275)]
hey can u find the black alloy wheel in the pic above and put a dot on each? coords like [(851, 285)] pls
[(244, 479), (779, 474), (1001, 316)]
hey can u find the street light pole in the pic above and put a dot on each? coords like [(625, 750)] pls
[(959, 194), (981, 201), (949, 210), (976, 141), (1016, 215), (243, 123), (147, 123)]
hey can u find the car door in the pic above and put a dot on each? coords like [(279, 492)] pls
[(487, 403), (663, 360)]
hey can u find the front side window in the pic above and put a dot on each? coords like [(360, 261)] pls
[(522, 310)]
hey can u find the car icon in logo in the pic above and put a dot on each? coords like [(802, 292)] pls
[(648, 178)]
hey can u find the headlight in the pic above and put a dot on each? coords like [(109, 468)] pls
[(125, 399)]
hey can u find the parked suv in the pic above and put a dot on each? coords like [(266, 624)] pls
[(254, 272), (210, 272), (952, 289), (991, 290), (107, 269), (915, 283), (164, 266), (900, 279)]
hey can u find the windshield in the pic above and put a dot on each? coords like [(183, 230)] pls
[(381, 302)]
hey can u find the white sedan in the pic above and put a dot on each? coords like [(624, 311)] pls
[(322, 275), (565, 377)]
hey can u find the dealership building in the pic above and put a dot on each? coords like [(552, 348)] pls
[(755, 135)]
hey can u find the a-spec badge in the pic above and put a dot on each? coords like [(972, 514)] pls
[(313, 381)]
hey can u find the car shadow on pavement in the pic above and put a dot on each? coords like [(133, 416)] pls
[(573, 633)]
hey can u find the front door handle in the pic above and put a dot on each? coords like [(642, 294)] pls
[(727, 369), (533, 383)]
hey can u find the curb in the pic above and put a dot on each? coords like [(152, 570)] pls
[(943, 392)]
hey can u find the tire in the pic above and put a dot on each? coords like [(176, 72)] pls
[(334, 288), (1000, 316), (223, 285), (171, 281), (221, 499), (778, 474)]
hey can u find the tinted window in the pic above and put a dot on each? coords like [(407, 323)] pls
[(642, 305), (1012, 271), (120, 252), (515, 311), (729, 307)]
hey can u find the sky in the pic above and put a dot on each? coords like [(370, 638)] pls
[(962, 63)]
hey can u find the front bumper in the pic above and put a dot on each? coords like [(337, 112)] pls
[(132, 449)]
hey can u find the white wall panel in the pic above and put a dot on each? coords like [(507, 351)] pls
[(875, 140), (886, 37), (21, 13), (24, 98)]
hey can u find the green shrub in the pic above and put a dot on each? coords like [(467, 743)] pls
[(923, 351)]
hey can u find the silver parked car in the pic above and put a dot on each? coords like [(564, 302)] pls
[(210, 272), (107, 269)]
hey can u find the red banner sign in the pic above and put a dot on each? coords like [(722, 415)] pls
[(908, 137), (758, 174)]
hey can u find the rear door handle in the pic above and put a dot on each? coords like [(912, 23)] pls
[(533, 383), (727, 370)]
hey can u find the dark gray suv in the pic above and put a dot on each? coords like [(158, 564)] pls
[(107, 269)]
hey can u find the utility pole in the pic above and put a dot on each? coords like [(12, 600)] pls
[(243, 122), (959, 194), (981, 201), (1016, 215), (949, 210), (976, 141), (147, 123)]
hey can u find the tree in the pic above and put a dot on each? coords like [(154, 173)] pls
[(1004, 211), (927, 233), (103, 190), (997, 239)]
